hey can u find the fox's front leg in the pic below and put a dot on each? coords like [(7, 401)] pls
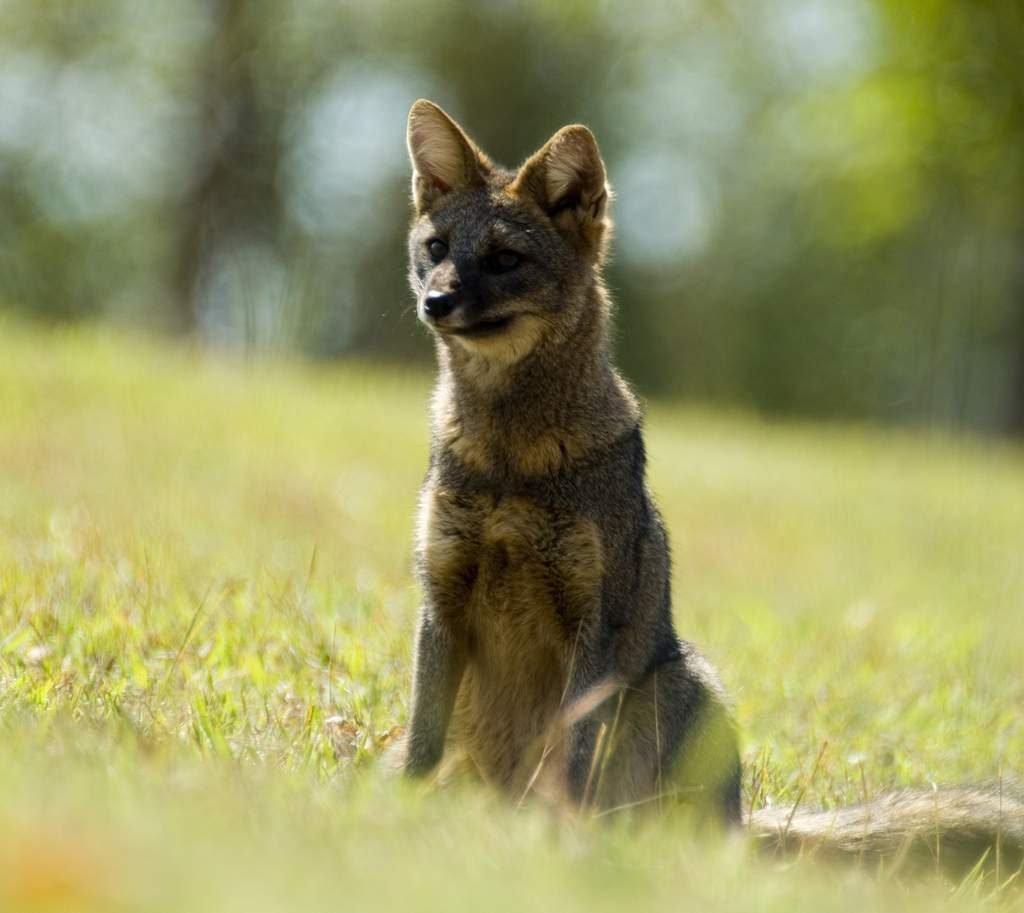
[(582, 742), (438, 668), (590, 682)]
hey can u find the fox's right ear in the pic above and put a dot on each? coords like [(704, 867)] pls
[(567, 179), (443, 157)]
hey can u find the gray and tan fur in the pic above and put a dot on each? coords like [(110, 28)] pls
[(545, 652)]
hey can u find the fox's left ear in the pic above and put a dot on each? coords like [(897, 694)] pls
[(567, 179)]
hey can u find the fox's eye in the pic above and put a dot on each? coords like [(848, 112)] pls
[(502, 261), (437, 249)]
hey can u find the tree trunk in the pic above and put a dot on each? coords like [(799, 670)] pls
[(232, 194), (1015, 423)]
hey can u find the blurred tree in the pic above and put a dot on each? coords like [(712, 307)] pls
[(820, 202), (232, 195), (970, 58), (235, 261)]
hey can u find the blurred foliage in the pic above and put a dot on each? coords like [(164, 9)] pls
[(820, 202)]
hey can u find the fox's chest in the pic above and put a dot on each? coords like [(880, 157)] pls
[(499, 563)]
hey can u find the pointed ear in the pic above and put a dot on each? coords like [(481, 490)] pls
[(443, 157), (567, 179)]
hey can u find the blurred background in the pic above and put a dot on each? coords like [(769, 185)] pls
[(820, 202)]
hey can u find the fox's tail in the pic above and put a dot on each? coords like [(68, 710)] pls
[(954, 829)]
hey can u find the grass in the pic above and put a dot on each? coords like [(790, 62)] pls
[(205, 615)]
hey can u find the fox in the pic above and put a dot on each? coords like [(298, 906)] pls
[(545, 657)]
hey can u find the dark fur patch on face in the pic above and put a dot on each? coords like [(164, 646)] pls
[(479, 228)]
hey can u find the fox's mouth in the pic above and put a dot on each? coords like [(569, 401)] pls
[(486, 327)]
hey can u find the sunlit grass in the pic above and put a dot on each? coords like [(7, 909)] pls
[(205, 613)]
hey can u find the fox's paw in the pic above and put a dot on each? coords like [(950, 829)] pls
[(394, 755)]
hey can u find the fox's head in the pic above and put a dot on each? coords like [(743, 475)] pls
[(503, 261)]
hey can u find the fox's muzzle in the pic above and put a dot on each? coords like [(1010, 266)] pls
[(451, 309), (438, 305), (458, 313)]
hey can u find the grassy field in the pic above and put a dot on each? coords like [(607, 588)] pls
[(205, 615)]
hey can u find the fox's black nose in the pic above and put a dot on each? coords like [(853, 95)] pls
[(440, 304)]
